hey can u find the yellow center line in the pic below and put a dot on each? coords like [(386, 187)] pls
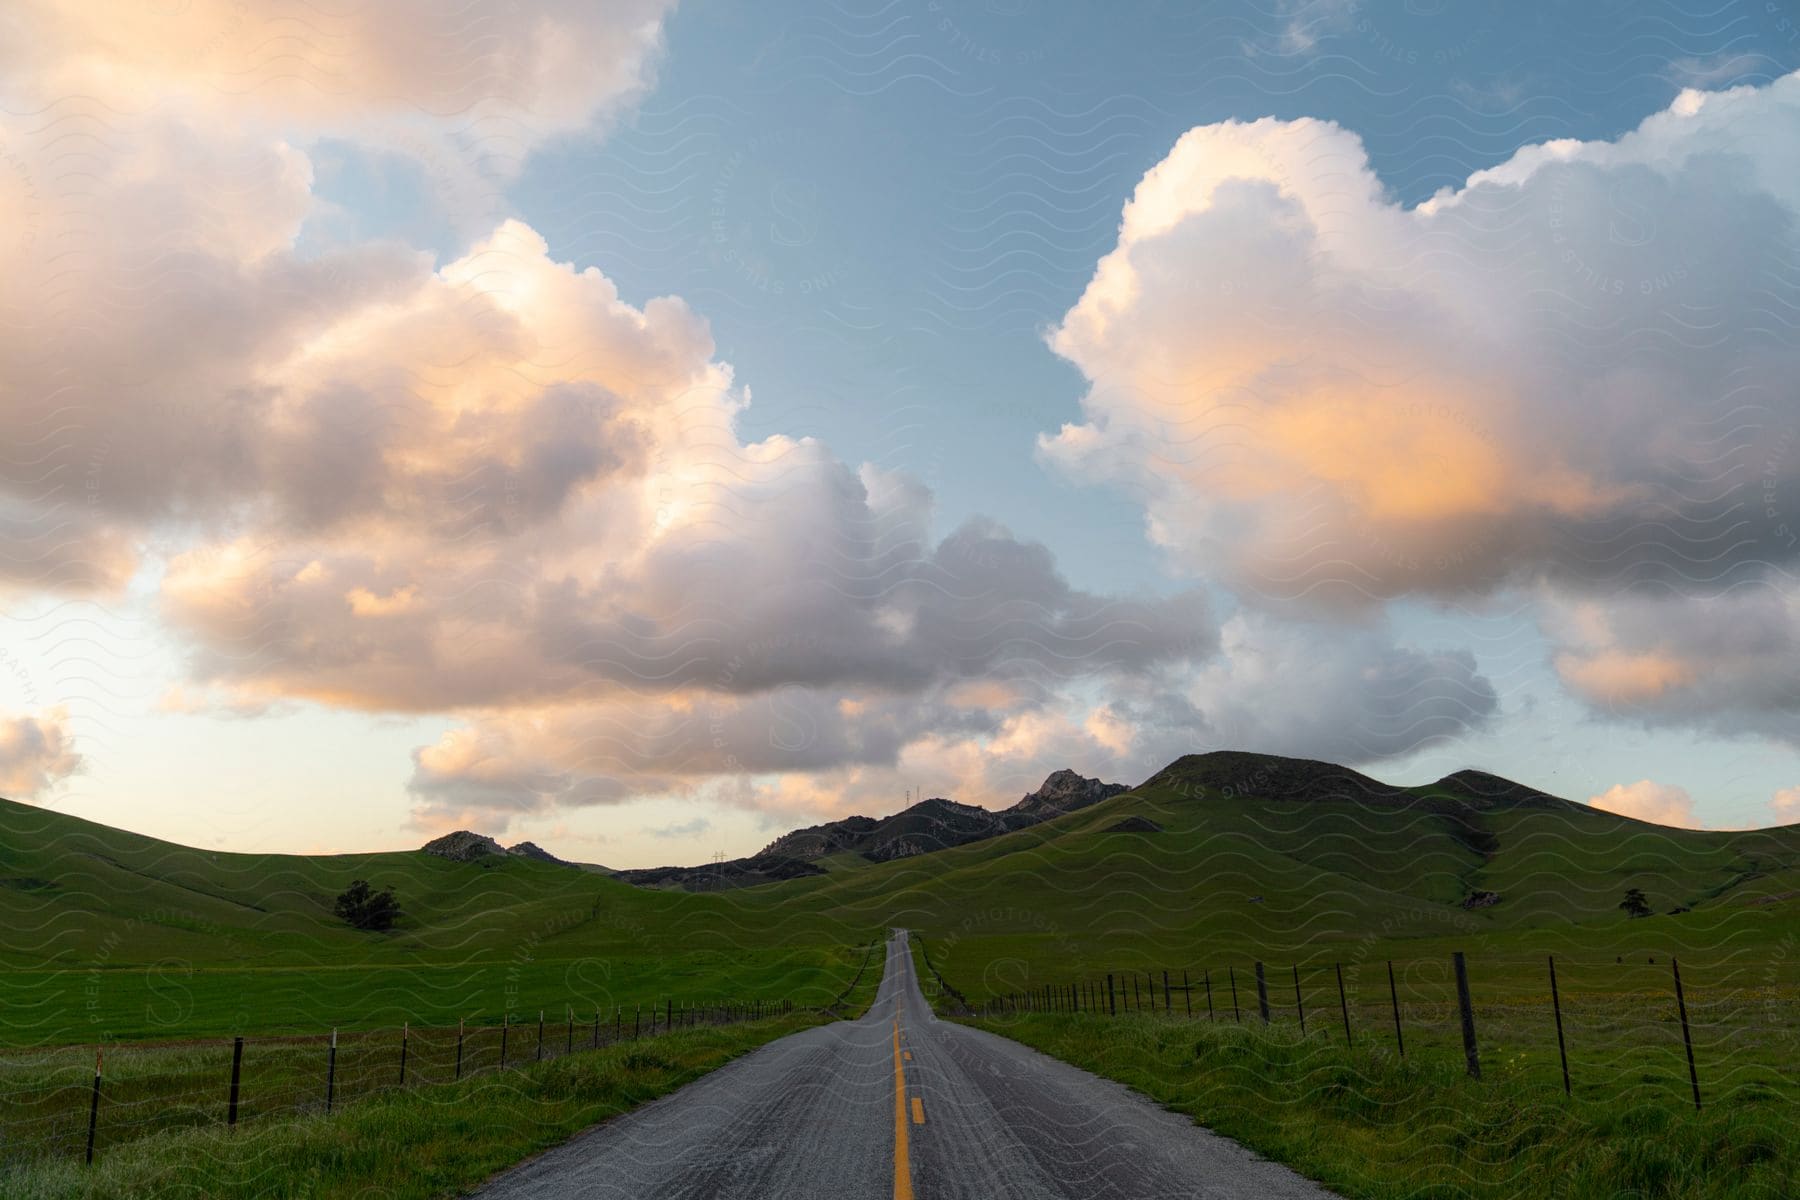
[(918, 1111), (903, 1189)]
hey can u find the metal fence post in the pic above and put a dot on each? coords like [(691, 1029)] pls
[(1262, 994), (1299, 1004), (1232, 972), (1207, 972), (94, 1109), (1562, 1049), (505, 1028), (1166, 1005), (1468, 1015), (1687, 1038), (459, 1046), (331, 1073), (1187, 994), (540, 1041), (403, 1039), (1394, 993), (237, 1067), (1112, 1007), (1343, 1003)]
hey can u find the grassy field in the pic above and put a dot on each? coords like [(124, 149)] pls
[(106, 936), (401, 1145), (1374, 1126)]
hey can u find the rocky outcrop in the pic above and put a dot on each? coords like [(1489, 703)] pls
[(1063, 792), (463, 846)]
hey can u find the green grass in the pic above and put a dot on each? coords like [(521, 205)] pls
[(106, 936), (1373, 1126), (425, 1142)]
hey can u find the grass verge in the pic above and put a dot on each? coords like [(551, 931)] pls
[(1374, 1126), (405, 1145)]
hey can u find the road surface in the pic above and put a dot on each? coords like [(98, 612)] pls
[(900, 1105)]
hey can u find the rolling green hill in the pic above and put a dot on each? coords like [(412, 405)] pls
[(110, 934)]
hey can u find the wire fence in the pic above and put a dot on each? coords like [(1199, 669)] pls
[(78, 1100), (1579, 1024)]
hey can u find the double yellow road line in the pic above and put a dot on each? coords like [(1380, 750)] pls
[(903, 1187)]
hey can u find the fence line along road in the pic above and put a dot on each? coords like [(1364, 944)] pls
[(1157, 992), (142, 1088)]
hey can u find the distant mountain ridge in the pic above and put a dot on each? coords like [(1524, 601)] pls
[(466, 846), (938, 823), (928, 826)]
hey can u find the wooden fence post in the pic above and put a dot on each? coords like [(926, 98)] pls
[(1262, 994), (1468, 1015)]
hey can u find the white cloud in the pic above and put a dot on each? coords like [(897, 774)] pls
[(36, 753), (1333, 399), (1786, 804), (1646, 800)]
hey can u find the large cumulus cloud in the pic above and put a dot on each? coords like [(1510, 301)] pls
[(1572, 367), (484, 483)]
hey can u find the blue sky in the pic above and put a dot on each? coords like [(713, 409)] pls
[(884, 214)]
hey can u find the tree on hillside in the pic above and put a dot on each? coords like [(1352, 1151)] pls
[(1635, 904), (366, 908)]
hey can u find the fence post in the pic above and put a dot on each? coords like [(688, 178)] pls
[(94, 1108), (1394, 993), (459, 1044), (569, 1038), (1299, 1004), (237, 1067), (505, 1028), (1687, 1039), (1137, 1000), (540, 1041), (1468, 1015), (1187, 994), (596, 1045), (1207, 972), (1262, 994), (1562, 1049), (637, 1023), (1344, 1004), (1232, 972), (403, 1040), (669, 1016), (331, 1073), (1166, 1005), (1112, 1007)]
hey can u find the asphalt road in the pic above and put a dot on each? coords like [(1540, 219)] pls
[(900, 1105)]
